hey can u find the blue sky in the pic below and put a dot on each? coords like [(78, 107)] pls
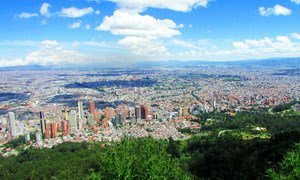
[(91, 31)]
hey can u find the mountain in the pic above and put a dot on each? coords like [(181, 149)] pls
[(262, 63)]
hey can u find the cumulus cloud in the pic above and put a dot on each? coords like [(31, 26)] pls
[(276, 10), (139, 28), (176, 5), (26, 15), (74, 12), (12, 62), (44, 10), (74, 25), (296, 35), (296, 1), (143, 45), (133, 24), (49, 53)]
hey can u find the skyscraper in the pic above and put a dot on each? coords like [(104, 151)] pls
[(42, 122), (73, 119), (12, 124), (144, 112), (80, 110), (93, 109), (38, 137), (53, 130), (91, 120), (138, 112)]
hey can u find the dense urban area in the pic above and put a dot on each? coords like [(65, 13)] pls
[(190, 113)]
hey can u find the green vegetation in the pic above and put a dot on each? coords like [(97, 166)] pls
[(248, 145), (284, 107), (135, 159), (289, 168)]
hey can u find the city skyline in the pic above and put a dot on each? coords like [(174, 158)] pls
[(93, 31)]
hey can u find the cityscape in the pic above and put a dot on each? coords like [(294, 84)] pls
[(76, 106), (149, 89)]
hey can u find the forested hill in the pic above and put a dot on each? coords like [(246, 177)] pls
[(249, 145)]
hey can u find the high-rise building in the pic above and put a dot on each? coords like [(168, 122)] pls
[(138, 112), (91, 119), (12, 124), (73, 119), (116, 121), (145, 114), (53, 130), (80, 110), (38, 138), (92, 107), (42, 122)]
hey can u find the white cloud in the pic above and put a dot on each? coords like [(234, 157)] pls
[(296, 35), (74, 25), (176, 5), (49, 53), (296, 1), (133, 24), (184, 44), (142, 45), (45, 9), (97, 12), (12, 62), (139, 29), (87, 27), (74, 12), (25, 15), (276, 10)]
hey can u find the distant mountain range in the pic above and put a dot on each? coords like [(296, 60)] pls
[(264, 63)]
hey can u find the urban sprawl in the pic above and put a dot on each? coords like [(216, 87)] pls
[(55, 106)]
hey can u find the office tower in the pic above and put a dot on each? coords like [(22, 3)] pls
[(73, 119), (64, 125), (12, 124), (116, 121), (138, 112), (42, 122), (27, 136), (38, 138), (145, 114), (80, 110), (92, 109), (91, 120), (53, 130)]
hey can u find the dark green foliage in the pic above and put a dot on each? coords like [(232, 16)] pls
[(221, 150), (283, 107), (135, 158), (173, 148), (16, 142), (272, 122), (289, 168), (229, 157)]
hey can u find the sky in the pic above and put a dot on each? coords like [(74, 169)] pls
[(62, 32)]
